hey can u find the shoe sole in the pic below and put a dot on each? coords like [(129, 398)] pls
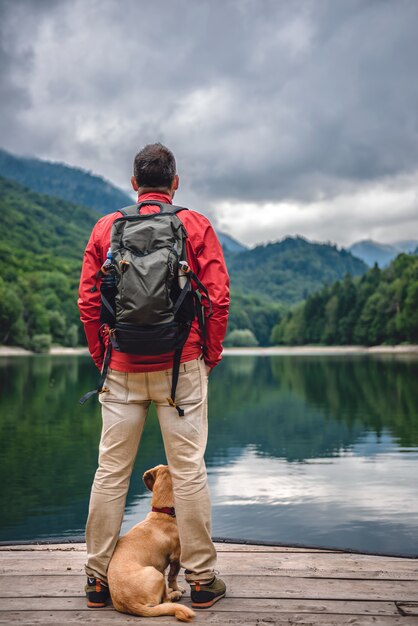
[(207, 605), (96, 605)]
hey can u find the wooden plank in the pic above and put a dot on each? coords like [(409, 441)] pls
[(238, 586), (230, 605), (345, 571), (33, 547), (220, 547), (324, 557), (40, 562), (104, 617), (334, 565), (408, 608), (238, 547), (107, 617)]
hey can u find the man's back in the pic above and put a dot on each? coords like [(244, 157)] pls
[(205, 257)]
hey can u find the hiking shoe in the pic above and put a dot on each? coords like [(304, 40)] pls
[(97, 592), (204, 595)]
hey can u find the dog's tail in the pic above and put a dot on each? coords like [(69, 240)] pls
[(183, 613)]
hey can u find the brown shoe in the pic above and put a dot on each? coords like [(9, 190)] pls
[(204, 595)]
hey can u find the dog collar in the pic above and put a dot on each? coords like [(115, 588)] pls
[(169, 510)]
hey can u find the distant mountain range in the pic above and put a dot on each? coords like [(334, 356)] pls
[(372, 252), (229, 244), (368, 251)]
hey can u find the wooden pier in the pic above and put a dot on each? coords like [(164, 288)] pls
[(43, 584)]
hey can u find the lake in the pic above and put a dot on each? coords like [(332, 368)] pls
[(311, 450)]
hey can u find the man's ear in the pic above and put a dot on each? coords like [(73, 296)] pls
[(134, 183), (175, 183), (149, 478)]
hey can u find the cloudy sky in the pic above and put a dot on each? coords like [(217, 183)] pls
[(286, 117)]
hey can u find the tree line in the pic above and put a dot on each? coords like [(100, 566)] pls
[(380, 307)]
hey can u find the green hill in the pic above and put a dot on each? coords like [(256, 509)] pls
[(268, 279), (288, 271), (380, 307), (41, 249), (70, 183)]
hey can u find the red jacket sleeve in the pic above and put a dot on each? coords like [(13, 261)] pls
[(214, 275), (89, 297)]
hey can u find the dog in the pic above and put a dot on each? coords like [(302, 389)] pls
[(136, 570)]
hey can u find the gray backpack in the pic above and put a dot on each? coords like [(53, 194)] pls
[(147, 288)]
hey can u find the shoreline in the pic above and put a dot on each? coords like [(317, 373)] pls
[(55, 351), (6, 351), (320, 350)]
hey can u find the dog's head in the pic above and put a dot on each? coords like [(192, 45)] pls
[(158, 480)]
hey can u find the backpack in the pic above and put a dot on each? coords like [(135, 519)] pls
[(147, 293)]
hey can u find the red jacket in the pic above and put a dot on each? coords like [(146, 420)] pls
[(206, 259)]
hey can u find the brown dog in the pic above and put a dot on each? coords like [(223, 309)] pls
[(136, 571)]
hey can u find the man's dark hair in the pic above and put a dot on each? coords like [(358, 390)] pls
[(154, 166)]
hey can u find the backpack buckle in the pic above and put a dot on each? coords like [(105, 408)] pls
[(185, 267)]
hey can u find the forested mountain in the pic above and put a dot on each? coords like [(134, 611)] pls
[(380, 307), (289, 270), (70, 183), (267, 279), (41, 248)]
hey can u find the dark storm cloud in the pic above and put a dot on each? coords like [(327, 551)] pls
[(260, 100), (16, 17)]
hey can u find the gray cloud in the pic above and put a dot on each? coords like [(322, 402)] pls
[(261, 101)]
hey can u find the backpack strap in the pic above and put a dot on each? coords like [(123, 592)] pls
[(184, 333), (174, 380), (201, 318), (185, 267), (190, 275), (172, 208), (130, 211), (100, 387)]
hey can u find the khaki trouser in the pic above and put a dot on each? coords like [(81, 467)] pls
[(124, 410)]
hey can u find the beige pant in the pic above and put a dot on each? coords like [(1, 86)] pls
[(124, 410)]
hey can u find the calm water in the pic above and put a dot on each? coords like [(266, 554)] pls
[(314, 450)]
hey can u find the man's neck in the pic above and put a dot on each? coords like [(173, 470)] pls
[(154, 195), (142, 191)]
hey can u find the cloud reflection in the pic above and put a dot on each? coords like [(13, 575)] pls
[(338, 501)]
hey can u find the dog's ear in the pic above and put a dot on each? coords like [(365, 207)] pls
[(149, 478)]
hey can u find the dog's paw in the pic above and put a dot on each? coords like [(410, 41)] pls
[(173, 596), (177, 588)]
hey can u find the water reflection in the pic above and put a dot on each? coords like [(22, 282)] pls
[(307, 407), (313, 450)]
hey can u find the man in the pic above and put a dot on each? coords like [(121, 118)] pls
[(134, 381)]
